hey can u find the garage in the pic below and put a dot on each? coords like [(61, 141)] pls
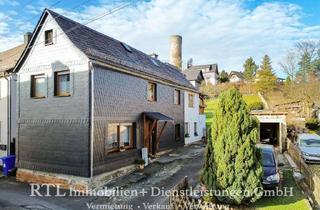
[(273, 128), (270, 133)]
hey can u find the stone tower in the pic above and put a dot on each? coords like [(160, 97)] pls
[(176, 51)]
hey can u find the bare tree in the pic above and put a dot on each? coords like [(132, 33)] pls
[(308, 47), (290, 65)]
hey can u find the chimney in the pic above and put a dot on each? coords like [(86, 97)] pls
[(176, 51), (154, 55), (27, 36)]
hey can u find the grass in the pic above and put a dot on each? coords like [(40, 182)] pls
[(212, 105), (251, 99), (296, 202)]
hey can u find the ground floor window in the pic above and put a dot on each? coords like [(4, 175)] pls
[(186, 130), (120, 136), (177, 132)]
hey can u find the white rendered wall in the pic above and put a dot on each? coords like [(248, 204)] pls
[(192, 116), (3, 114)]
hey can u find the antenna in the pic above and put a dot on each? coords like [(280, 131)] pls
[(189, 63)]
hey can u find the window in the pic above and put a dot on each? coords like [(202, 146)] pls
[(191, 100), (152, 91), (119, 136), (38, 86), (62, 83), (48, 37), (126, 47), (186, 130), (177, 132), (195, 129), (177, 97)]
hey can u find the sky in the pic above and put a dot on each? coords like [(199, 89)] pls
[(225, 32)]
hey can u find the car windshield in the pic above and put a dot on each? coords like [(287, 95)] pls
[(310, 142), (268, 159)]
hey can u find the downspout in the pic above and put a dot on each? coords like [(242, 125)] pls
[(8, 114), (91, 115)]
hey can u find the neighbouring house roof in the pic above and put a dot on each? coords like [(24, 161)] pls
[(193, 75), (9, 58), (102, 48), (211, 67), (157, 116), (238, 74)]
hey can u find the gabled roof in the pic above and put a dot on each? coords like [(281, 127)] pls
[(100, 47), (9, 58), (193, 75), (211, 67), (237, 73)]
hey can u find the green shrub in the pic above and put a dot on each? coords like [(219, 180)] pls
[(139, 162), (255, 106), (313, 124), (232, 161)]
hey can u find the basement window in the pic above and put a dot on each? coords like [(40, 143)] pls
[(48, 37), (126, 47)]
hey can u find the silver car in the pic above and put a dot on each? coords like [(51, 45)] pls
[(309, 145)]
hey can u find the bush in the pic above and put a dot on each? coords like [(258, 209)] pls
[(139, 162), (232, 161), (313, 124), (255, 106)]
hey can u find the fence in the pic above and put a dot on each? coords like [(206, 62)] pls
[(180, 199), (311, 179)]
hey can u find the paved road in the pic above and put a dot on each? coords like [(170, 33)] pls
[(163, 175)]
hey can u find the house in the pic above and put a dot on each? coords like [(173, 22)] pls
[(195, 76), (8, 122), (280, 81), (210, 72), (88, 103), (195, 119), (236, 77)]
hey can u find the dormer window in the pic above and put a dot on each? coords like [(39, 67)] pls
[(48, 37), (126, 47)]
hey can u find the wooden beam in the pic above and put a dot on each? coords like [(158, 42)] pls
[(158, 137), (145, 131)]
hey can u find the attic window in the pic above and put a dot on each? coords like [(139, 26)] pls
[(126, 47), (48, 37), (154, 62)]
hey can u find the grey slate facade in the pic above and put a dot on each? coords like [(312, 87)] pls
[(67, 135), (53, 133), (123, 98)]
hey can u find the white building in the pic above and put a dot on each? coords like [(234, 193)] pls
[(8, 121), (195, 123), (236, 77), (195, 119), (210, 72)]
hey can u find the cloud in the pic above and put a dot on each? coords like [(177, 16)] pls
[(9, 2), (223, 31)]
